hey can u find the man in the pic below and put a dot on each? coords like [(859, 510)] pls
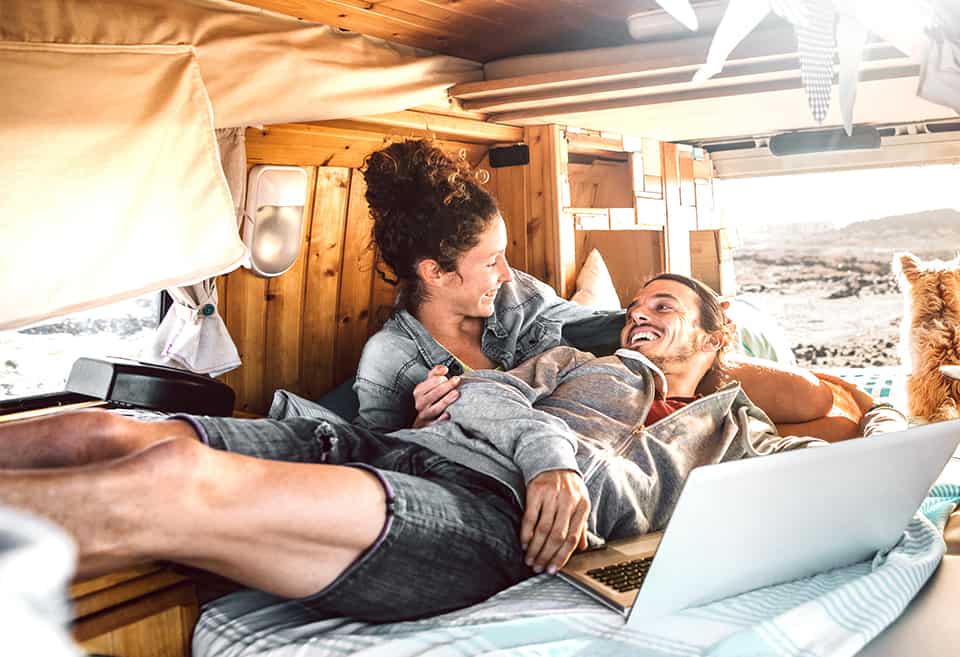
[(421, 521)]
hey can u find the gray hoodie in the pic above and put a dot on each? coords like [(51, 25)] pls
[(566, 409)]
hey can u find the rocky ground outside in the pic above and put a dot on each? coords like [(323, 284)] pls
[(38, 359), (833, 290)]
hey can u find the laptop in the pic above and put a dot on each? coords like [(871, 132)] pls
[(751, 523)]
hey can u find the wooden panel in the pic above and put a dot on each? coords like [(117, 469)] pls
[(475, 29), (584, 219), (285, 303), (651, 212), (653, 186), (246, 318), (679, 219), (325, 254), (631, 256), (600, 185), (509, 187), (702, 166), (706, 217), (688, 192), (331, 145), (356, 284), (623, 218), (87, 586), (113, 618), (651, 160), (124, 591), (551, 248), (421, 124), (161, 635), (636, 173), (711, 258)]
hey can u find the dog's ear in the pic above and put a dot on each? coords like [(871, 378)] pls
[(906, 265)]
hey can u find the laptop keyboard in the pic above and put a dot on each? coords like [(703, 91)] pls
[(623, 576)]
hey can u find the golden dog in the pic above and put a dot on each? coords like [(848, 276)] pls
[(930, 335)]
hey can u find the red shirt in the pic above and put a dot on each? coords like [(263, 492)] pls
[(661, 407)]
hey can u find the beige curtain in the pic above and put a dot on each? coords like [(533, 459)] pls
[(259, 67), (192, 334), (113, 186)]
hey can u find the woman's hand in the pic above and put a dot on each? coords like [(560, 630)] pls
[(432, 396), (555, 520)]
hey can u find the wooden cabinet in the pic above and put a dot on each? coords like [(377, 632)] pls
[(141, 612)]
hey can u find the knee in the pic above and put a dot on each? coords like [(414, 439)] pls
[(107, 435), (176, 467)]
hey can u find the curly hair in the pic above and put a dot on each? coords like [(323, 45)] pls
[(424, 206)]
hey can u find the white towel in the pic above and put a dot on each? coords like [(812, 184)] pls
[(36, 563)]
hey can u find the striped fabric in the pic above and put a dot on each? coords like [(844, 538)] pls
[(833, 614), (816, 41)]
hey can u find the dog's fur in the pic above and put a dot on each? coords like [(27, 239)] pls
[(930, 335)]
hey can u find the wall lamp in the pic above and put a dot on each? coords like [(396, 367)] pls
[(273, 218)]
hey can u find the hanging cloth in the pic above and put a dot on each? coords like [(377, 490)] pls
[(114, 186), (259, 67), (940, 71), (816, 42), (192, 335)]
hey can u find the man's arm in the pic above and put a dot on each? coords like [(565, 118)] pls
[(786, 394)]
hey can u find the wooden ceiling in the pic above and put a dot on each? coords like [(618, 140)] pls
[(481, 30)]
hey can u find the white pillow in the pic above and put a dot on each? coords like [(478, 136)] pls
[(595, 288)]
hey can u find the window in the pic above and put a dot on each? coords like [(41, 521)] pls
[(37, 359), (815, 251)]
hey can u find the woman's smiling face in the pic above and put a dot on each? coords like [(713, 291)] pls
[(481, 271)]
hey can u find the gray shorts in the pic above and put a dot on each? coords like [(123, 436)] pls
[(451, 538)]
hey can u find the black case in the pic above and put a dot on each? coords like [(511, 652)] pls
[(132, 383)]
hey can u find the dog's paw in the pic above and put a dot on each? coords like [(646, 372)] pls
[(950, 371)]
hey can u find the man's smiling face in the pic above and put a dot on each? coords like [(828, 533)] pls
[(663, 323)]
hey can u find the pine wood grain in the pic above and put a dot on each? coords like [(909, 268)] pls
[(325, 255)]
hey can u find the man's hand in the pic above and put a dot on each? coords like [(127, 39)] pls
[(432, 396), (555, 520)]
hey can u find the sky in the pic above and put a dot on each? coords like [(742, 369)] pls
[(838, 197)]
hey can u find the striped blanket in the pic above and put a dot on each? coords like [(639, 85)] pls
[(834, 614)]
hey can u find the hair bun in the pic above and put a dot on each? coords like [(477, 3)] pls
[(424, 205)]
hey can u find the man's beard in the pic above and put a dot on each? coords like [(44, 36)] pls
[(680, 354)]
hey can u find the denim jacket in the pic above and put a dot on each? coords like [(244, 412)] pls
[(528, 319)]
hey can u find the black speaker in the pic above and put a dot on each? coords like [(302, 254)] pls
[(509, 156)]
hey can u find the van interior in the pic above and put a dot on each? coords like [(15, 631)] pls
[(150, 144)]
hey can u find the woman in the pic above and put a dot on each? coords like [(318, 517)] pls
[(462, 307)]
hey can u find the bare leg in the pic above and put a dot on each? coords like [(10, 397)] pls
[(79, 438), (287, 528)]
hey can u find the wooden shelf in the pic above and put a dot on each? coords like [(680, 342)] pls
[(148, 611)]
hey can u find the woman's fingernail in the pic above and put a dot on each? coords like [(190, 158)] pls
[(529, 562), (538, 568), (552, 569)]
